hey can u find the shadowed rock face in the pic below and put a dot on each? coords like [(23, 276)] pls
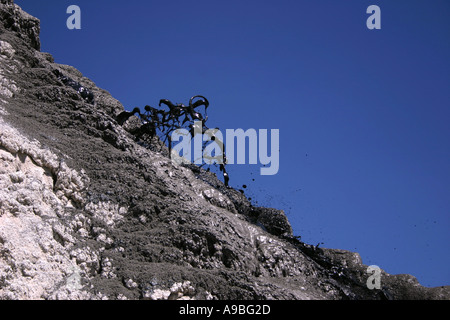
[(87, 212)]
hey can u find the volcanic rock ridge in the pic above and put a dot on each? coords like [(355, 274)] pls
[(89, 212)]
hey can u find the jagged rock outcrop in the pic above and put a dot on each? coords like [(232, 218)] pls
[(88, 212)]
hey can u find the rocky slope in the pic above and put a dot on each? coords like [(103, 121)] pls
[(87, 212)]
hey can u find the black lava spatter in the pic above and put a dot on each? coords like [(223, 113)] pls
[(163, 123), (125, 115), (85, 93)]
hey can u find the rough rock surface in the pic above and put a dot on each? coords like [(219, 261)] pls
[(87, 212)]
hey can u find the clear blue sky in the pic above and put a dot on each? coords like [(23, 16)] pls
[(363, 114)]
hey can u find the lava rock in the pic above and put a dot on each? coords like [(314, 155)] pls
[(88, 212)]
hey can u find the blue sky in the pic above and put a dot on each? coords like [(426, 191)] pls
[(363, 114)]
